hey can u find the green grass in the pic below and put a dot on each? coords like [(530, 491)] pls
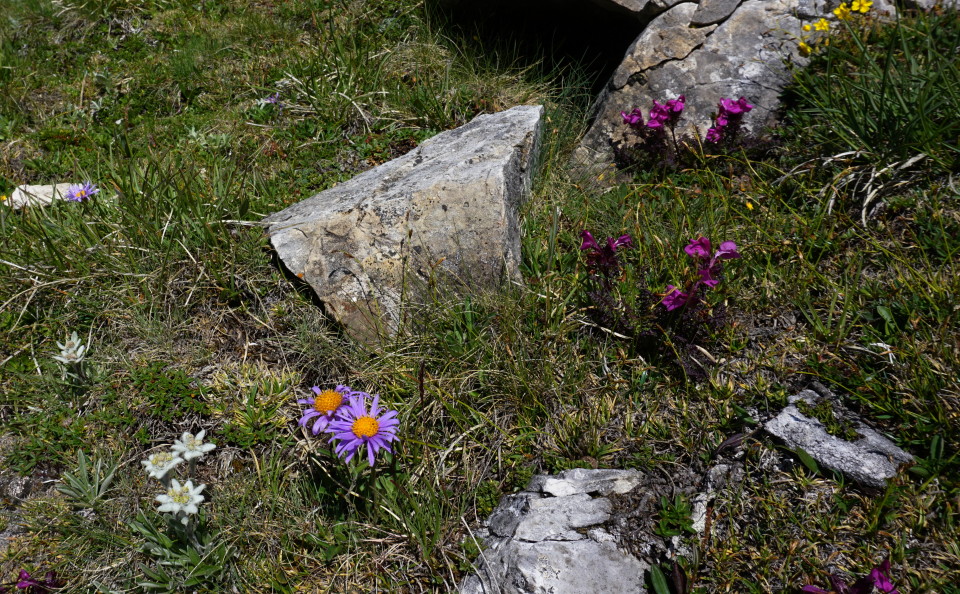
[(191, 324)]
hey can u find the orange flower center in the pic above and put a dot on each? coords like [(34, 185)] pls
[(327, 401), (365, 427)]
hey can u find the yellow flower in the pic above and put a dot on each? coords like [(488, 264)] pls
[(862, 6), (842, 12), (807, 27), (749, 205), (822, 25), (805, 49)]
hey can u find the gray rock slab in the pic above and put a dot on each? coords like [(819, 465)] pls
[(447, 209), (570, 567), (869, 461), (39, 195), (710, 12), (586, 480)]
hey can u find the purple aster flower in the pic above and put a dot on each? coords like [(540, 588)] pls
[(356, 426), (634, 119), (81, 192), (713, 135), (675, 298), (323, 407)]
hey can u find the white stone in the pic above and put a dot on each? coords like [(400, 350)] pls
[(37, 195)]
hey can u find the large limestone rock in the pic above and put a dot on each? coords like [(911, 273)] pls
[(447, 209), (550, 539), (704, 50), (870, 460)]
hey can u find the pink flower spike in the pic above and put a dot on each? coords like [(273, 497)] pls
[(698, 248), (744, 106), (713, 135), (589, 243), (727, 251)]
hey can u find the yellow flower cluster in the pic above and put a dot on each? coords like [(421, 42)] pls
[(842, 12)]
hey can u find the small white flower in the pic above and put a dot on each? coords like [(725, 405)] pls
[(72, 351), (191, 446), (159, 464), (181, 498)]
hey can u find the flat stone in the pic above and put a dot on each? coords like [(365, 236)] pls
[(710, 12), (869, 461), (557, 518), (447, 210), (558, 567), (41, 195), (586, 480)]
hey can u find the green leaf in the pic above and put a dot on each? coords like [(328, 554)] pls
[(659, 581)]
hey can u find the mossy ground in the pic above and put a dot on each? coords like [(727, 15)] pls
[(192, 324)]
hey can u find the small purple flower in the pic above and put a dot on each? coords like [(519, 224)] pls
[(675, 298), (634, 119), (323, 407), (666, 114), (37, 586), (356, 426), (713, 135), (81, 192), (698, 248), (275, 98), (879, 577), (727, 251), (738, 107), (605, 257), (708, 276)]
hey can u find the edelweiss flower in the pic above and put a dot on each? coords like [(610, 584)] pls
[(191, 446), (159, 464), (72, 351), (181, 498)]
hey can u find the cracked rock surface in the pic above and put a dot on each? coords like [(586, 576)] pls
[(550, 539), (449, 207)]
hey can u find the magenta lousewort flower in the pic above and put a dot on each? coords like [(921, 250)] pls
[(33, 586), (698, 248), (675, 298), (879, 577), (356, 426), (323, 406), (81, 192), (729, 116), (701, 249), (604, 258), (666, 114), (634, 119)]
